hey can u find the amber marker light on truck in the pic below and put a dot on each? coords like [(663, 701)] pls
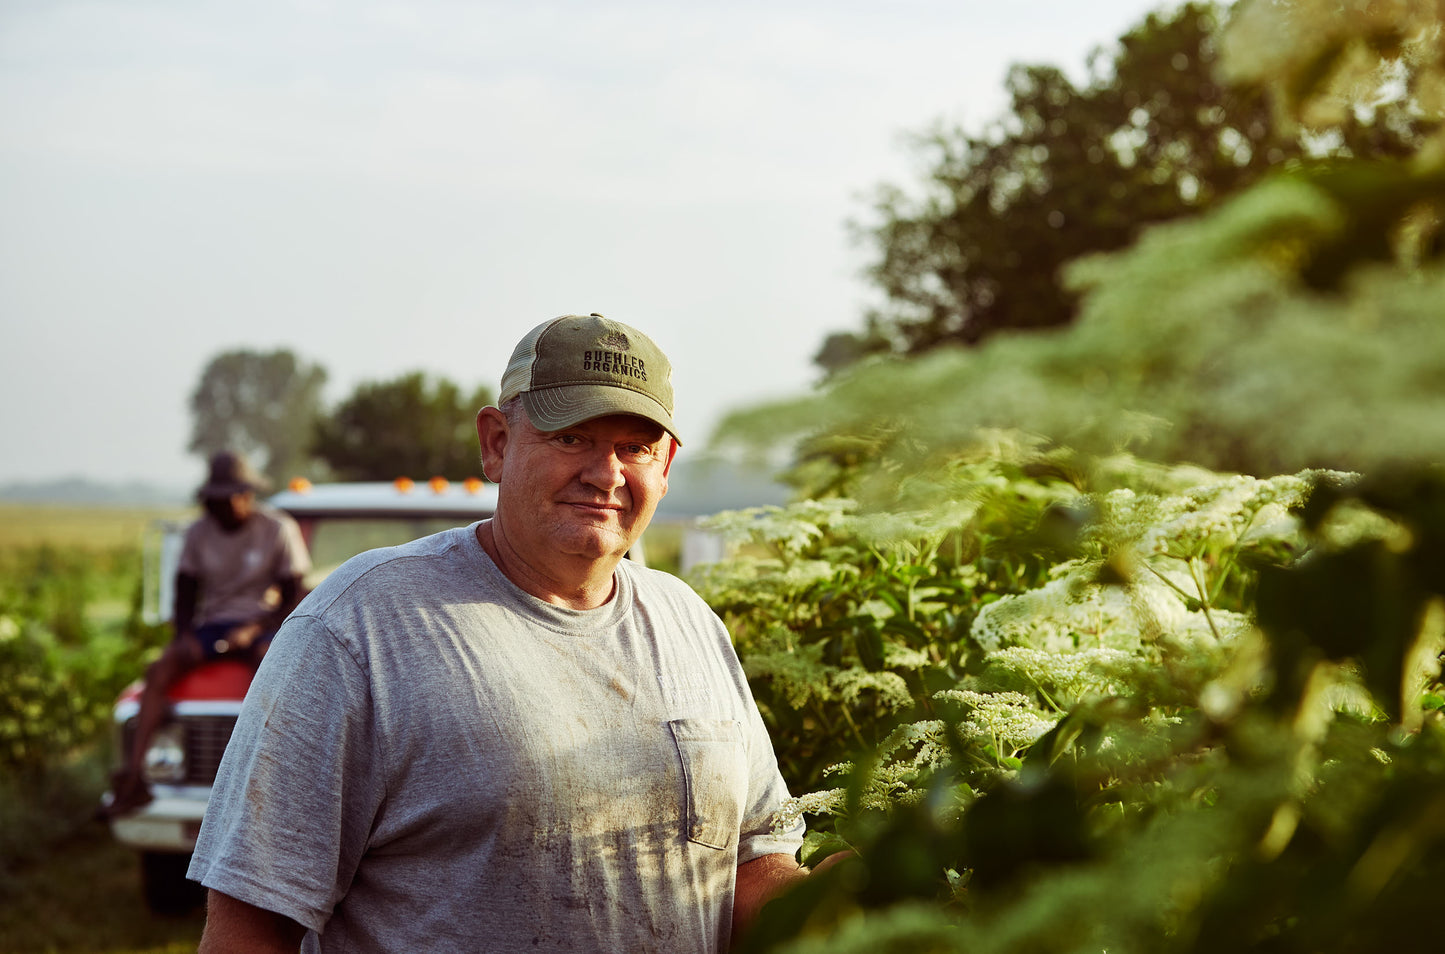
[(473, 485), (300, 485), (403, 485), (438, 484)]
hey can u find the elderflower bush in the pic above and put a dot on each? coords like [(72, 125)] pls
[(1181, 549), (1148, 607), (847, 619)]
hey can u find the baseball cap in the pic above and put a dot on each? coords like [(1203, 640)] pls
[(577, 367)]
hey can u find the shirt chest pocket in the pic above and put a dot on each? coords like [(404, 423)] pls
[(715, 774)]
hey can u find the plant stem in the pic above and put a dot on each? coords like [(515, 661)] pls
[(1203, 598)]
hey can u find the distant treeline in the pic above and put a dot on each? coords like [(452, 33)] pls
[(81, 490)]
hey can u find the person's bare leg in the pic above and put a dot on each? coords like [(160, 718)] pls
[(181, 656)]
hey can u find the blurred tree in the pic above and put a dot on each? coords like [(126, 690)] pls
[(410, 426), (261, 404), (1070, 171)]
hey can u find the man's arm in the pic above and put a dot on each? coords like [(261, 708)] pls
[(290, 594), (762, 879), (235, 927), (183, 609), (759, 881)]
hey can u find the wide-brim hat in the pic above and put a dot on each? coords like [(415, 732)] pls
[(229, 473), (578, 367)]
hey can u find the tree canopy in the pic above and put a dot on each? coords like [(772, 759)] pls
[(1068, 171), (261, 404), (413, 425)]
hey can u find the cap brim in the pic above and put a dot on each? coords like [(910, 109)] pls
[(553, 409)]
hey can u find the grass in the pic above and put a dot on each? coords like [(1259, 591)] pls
[(84, 896)]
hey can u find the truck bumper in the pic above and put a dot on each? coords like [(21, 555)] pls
[(169, 822)]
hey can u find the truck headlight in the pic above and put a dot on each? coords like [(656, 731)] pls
[(165, 759)]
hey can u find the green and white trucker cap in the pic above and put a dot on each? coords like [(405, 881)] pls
[(577, 367)]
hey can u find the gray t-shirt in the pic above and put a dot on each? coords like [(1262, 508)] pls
[(432, 759), (239, 569)]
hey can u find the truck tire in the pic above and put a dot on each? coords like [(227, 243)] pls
[(163, 882)]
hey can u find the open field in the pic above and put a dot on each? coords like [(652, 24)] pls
[(91, 527)]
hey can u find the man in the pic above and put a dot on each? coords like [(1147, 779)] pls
[(505, 737), (238, 577)]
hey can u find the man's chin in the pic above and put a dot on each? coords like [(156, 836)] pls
[(595, 543)]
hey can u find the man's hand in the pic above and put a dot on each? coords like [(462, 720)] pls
[(243, 636)]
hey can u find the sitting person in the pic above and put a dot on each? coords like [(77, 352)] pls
[(239, 576)]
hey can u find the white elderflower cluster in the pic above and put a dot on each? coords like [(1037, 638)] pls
[(828, 802), (889, 785), (850, 684), (1069, 677), (1007, 719), (761, 580), (926, 738), (1071, 612), (790, 529), (905, 657), (1225, 512), (890, 530)]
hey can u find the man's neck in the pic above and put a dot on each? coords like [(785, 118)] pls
[(592, 586)]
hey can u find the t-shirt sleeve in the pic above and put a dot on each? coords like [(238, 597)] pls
[(767, 791), (766, 794), (300, 782), (295, 559), (189, 561)]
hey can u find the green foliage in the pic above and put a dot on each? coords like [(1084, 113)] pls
[(261, 404), (1127, 761), (1325, 62), (62, 663), (1069, 171), (1265, 337), (848, 622), (412, 425), (1211, 718)]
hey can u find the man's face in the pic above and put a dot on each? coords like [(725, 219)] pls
[(586, 491), (231, 512)]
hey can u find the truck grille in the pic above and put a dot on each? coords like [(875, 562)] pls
[(206, 738)]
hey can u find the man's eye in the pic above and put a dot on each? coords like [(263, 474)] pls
[(636, 452)]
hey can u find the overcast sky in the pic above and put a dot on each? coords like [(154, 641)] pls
[(385, 187)]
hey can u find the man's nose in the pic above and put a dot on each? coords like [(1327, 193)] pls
[(604, 469)]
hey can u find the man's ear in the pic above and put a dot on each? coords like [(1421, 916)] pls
[(493, 436), (667, 467), (672, 446)]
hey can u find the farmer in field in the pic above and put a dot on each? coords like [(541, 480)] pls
[(238, 577), (506, 737)]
